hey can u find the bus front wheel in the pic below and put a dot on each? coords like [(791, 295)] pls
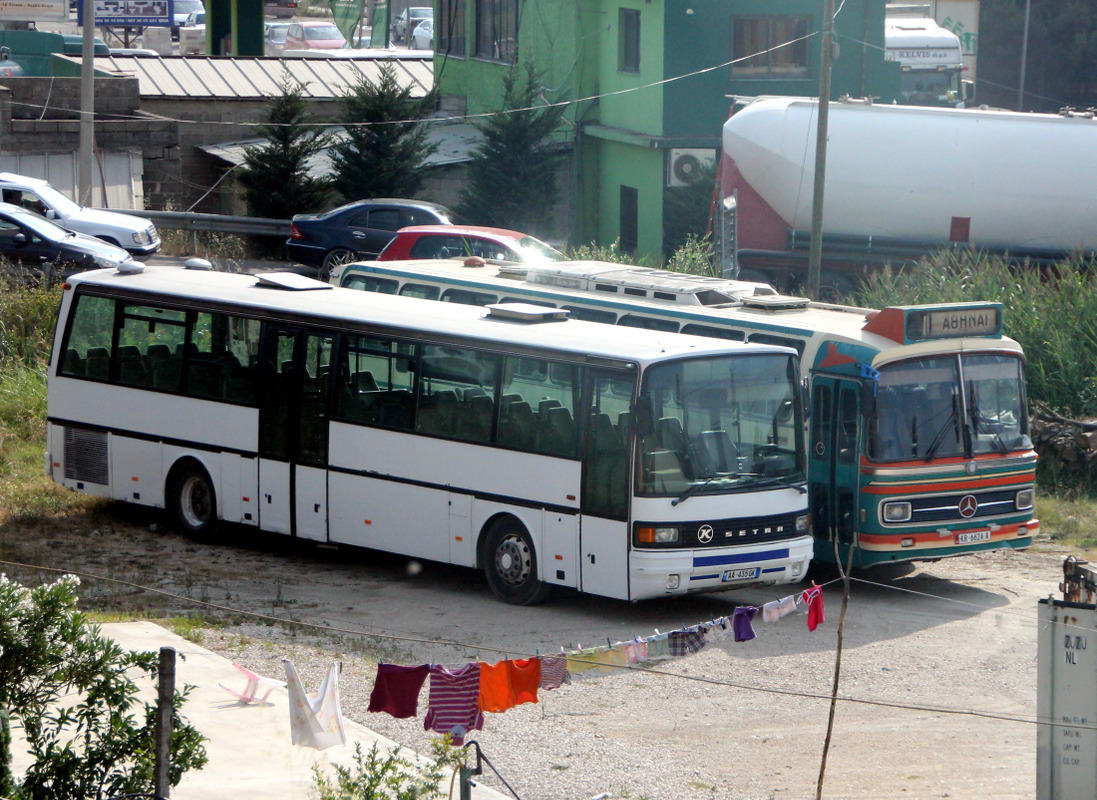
[(193, 503), (510, 564)]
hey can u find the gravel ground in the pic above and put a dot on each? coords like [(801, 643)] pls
[(748, 720)]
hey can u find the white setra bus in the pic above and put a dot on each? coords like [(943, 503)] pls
[(546, 451)]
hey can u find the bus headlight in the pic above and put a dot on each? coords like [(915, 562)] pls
[(802, 525), (1024, 499), (652, 535), (898, 511)]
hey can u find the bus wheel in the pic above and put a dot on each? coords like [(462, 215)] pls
[(510, 564), (193, 503)]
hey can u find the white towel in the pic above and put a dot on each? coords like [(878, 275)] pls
[(315, 721)]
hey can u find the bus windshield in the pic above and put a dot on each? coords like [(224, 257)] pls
[(720, 425), (949, 406)]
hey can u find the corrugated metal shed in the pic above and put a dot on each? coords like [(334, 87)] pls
[(199, 77)]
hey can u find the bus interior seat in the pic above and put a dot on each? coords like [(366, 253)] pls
[(364, 382), (98, 363), (722, 453), (74, 363), (557, 434), (438, 413), (517, 429), (476, 419)]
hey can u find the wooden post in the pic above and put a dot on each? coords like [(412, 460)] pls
[(164, 712)]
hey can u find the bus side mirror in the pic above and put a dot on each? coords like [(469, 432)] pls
[(805, 397), (868, 399)]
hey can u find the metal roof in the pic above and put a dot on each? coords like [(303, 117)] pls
[(201, 77)]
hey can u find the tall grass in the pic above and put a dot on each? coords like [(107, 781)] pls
[(1051, 311)]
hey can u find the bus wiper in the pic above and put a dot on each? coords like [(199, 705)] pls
[(693, 489), (939, 439), (784, 482), (979, 422)]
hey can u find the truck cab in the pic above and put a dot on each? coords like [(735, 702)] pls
[(931, 61)]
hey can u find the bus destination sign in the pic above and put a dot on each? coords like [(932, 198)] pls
[(954, 322)]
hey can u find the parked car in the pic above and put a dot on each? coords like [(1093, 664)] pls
[(422, 38), (314, 35), (407, 19), (133, 233), (282, 9), (463, 241), (274, 38), (38, 249), (181, 9), (356, 230), (195, 19)]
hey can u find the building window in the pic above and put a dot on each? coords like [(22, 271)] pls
[(449, 28), (628, 43), (497, 30), (630, 221), (770, 46)]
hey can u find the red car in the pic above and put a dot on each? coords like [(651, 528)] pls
[(462, 241)]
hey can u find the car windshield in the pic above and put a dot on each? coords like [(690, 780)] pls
[(59, 202), (720, 425), (949, 406), (422, 13), (278, 34), (184, 7), (41, 226), (534, 251), (322, 32)]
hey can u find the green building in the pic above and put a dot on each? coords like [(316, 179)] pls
[(651, 83)]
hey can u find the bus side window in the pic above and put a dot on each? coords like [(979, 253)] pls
[(713, 332), (650, 323), (420, 290)]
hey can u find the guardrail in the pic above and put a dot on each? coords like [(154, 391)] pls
[(212, 223)]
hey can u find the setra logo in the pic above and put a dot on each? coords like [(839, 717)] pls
[(705, 534), (968, 506)]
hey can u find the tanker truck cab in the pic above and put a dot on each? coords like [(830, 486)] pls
[(931, 62)]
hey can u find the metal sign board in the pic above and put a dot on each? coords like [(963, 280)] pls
[(1066, 701), (129, 13), (36, 10)]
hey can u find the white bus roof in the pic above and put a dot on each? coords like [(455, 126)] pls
[(313, 302)]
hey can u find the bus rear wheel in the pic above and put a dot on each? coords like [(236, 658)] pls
[(193, 503), (510, 564)]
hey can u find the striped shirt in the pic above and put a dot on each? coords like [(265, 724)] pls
[(453, 702)]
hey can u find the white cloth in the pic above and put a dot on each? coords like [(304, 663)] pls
[(315, 721), (771, 612)]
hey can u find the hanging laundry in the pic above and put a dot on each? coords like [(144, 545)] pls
[(396, 689), (452, 702), (814, 599), (741, 623), (774, 610), (554, 672), (525, 678), (612, 658), (719, 630), (495, 692), (683, 643), (636, 651), (315, 721), (581, 661), (658, 646)]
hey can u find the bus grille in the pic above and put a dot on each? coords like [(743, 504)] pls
[(86, 456), (746, 530), (946, 508)]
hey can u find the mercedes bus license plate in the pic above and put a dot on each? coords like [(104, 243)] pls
[(971, 537), (740, 574)]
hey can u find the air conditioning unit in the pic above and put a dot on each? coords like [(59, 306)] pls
[(683, 163)]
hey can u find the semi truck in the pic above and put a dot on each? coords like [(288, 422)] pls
[(929, 56), (901, 183)]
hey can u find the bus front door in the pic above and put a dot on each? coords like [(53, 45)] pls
[(833, 471), (293, 433)]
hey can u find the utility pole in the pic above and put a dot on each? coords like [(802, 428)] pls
[(1024, 62), (815, 255), (87, 105)]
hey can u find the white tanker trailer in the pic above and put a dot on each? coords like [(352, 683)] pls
[(905, 181)]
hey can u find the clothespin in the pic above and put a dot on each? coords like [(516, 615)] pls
[(609, 644)]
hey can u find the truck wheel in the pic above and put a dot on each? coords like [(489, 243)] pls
[(193, 503), (510, 564)]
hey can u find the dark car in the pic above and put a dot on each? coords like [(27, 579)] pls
[(356, 231), (36, 248)]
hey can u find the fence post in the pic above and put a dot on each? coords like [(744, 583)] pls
[(164, 712)]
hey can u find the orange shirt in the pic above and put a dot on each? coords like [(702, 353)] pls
[(525, 679), (495, 691)]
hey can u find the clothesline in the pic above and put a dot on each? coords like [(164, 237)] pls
[(459, 697)]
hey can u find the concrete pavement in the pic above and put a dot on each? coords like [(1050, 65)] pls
[(249, 747)]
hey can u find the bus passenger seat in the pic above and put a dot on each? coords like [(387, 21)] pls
[(476, 422), (98, 363), (557, 435), (364, 382), (516, 429), (73, 363)]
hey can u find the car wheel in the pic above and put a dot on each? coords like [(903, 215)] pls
[(510, 564), (335, 258), (193, 502)]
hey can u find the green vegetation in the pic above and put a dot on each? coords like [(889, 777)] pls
[(375, 775)]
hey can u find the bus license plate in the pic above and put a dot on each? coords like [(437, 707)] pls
[(971, 537), (740, 574)]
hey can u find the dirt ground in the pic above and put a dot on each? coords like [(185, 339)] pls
[(938, 675)]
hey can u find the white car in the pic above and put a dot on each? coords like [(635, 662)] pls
[(407, 19), (422, 38), (135, 234)]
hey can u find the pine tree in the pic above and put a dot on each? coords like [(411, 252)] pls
[(386, 141), (275, 175), (512, 180)]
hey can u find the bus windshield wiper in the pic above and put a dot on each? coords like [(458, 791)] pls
[(980, 422), (939, 439), (696, 487), (783, 481)]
